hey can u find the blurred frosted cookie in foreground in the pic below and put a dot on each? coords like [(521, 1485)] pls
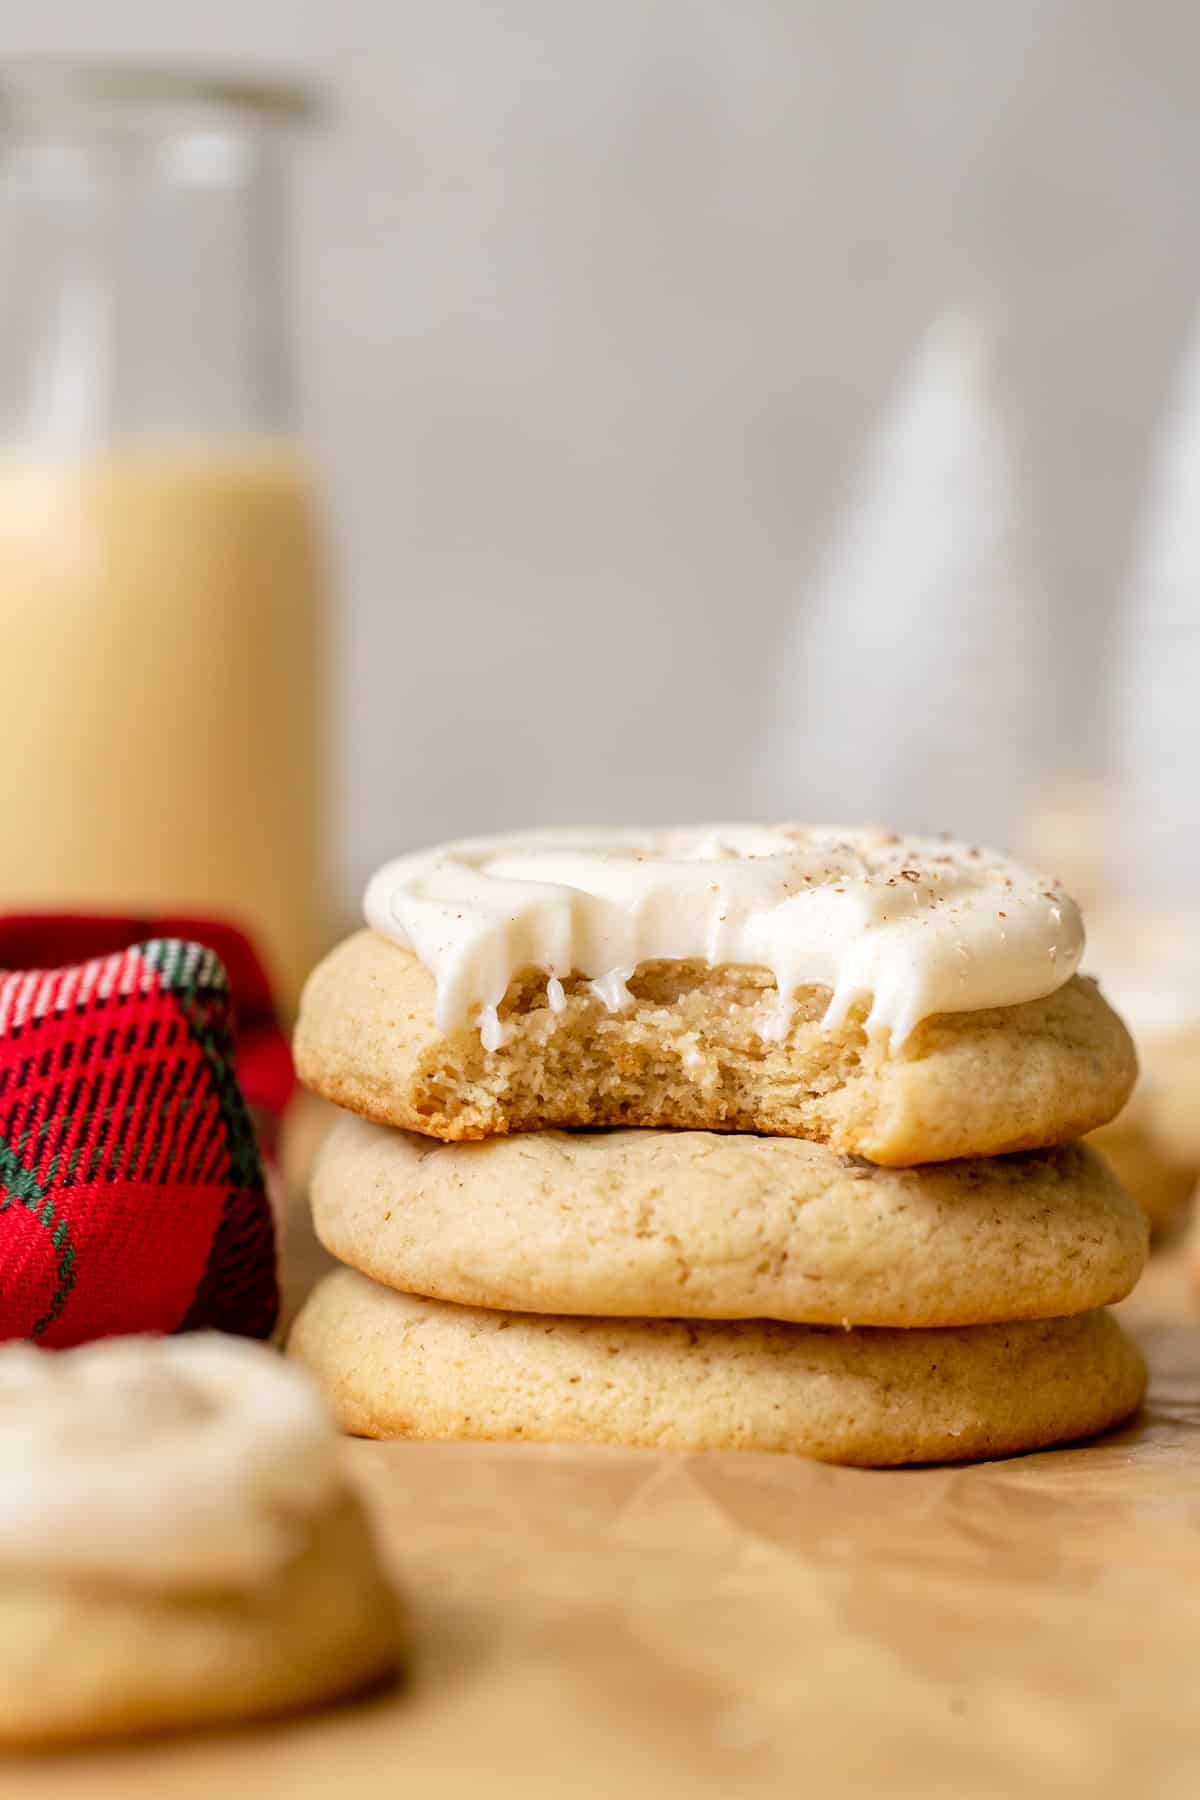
[(177, 1546), (692, 1224), (396, 1366), (906, 999)]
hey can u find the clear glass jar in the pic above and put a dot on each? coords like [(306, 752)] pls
[(161, 741)]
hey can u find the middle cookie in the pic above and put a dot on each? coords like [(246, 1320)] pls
[(701, 1225)]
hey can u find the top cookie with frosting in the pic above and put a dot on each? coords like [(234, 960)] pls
[(906, 999), (912, 926)]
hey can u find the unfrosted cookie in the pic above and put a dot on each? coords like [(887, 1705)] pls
[(693, 1050), (1133, 1150), (1173, 1096), (177, 1546), (1149, 962), (395, 1366), (1154, 1143), (690, 1224)]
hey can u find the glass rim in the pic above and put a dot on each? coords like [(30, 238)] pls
[(34, 85)]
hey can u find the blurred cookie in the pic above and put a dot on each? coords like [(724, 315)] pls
[(1153, 1144), (1137, 1158), (1148, 963), (704, 1226), (395, 1366), (1173, 1095), (1191, 1242), (177, 1546)]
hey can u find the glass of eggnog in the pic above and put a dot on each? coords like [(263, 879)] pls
[(161, 737)]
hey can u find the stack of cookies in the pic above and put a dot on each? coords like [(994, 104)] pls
[(748, 1138)]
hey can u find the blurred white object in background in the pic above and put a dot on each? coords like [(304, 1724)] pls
[(1156, 674), (1148, 964), (1066, 832), (1145, 944), (918, 677)]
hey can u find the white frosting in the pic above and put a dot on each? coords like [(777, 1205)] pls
[(191, 1461), (915, 925)]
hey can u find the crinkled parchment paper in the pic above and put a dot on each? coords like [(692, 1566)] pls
[(626, 1623)]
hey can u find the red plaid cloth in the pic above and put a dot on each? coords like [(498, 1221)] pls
[(131, 1190)]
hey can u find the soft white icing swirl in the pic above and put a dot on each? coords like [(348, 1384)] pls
[(191, 1461), (915, 925)]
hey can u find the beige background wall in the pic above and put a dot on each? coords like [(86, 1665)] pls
[(596, 303)]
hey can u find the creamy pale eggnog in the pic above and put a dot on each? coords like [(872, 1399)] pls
[(160, 737)]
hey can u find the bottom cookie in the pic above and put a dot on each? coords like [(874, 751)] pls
[(395, 1366)]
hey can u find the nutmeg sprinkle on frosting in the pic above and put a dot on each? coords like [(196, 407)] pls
[(911, 925)]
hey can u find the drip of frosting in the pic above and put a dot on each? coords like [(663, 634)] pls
[(192, 1461), (914, 926)]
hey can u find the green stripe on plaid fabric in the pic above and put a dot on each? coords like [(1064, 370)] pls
[(22, 1186), (196, 980)]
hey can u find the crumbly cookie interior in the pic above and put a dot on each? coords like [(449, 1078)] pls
[(693, 1047), (692, 1032)]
